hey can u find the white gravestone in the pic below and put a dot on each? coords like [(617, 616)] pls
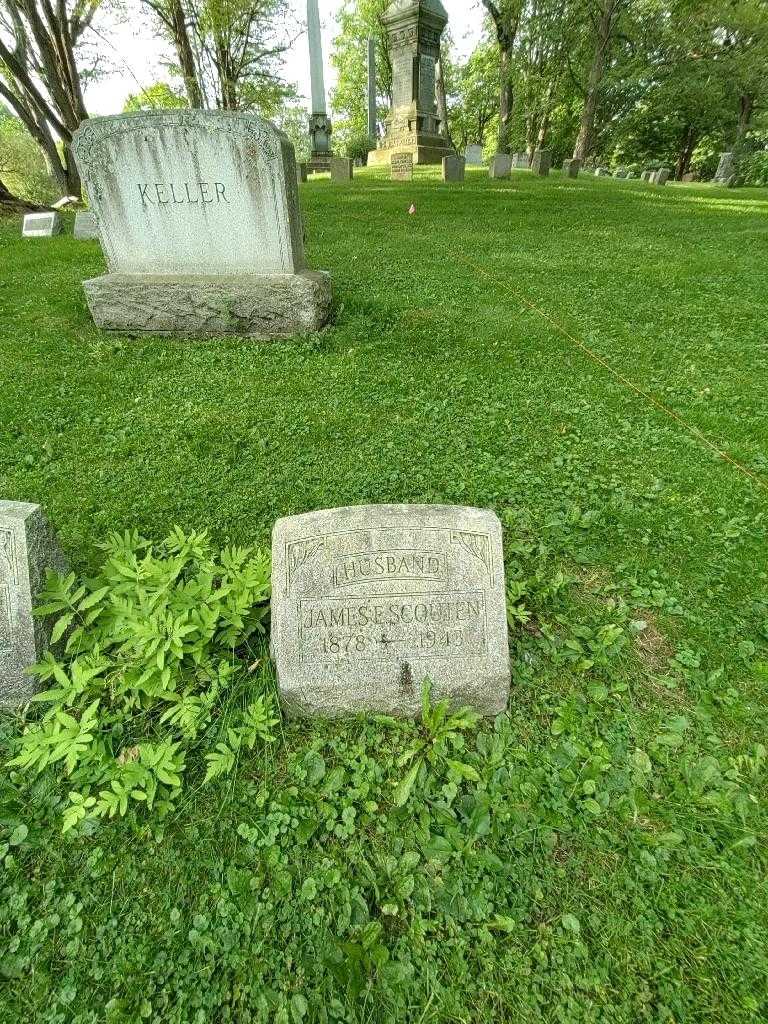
[(27, 548), (369, 601), (473, 155), (41, 225), (198, 215), (86, 226)]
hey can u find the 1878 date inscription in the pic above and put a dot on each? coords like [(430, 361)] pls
[(369, 601)]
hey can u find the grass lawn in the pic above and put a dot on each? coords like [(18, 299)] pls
[(610, 864)]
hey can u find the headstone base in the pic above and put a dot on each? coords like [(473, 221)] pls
[(262, 306), (429, 150)]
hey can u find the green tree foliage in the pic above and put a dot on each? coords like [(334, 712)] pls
[(22, 165), (358, 21), (159, 96)]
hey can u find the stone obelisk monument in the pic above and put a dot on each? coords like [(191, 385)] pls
[(372, 90), (319, 122), (414, 28)]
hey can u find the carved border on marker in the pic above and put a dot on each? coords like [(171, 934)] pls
[(477, 544), (297, 554)]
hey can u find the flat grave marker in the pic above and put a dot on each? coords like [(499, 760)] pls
[(41, 225)]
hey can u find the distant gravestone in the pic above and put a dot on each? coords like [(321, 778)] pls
[(28, 548), (341, 169), (41, 225), (301, 170), (620, 172), (661, 176), (453, 168), (521, 161), (85, 226), (631, 174), (199, 219), (500, 166), (726, 169), (64, 202), (572, 167), (603, 172), (473, 155), (646, 175), (368, 601), (541, 162), (688, 177), (401, 167)]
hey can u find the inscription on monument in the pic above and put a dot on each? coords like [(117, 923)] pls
[(369, 601), (181, 194)]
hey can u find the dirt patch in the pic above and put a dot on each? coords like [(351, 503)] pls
[(653, 647)]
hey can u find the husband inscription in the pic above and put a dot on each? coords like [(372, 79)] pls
[(368, 601)]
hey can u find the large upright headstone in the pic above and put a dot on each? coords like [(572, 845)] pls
[(541, 162), (368, 601), (198, 215), (473, 155), (28, 548), (414, 28), (341, 168), (726, 169), (41, 225), (86, 226), (660, 177), (500, 166), (572, 167), (453, 168), (401, 167)]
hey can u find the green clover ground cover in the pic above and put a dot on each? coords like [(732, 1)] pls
[(600, 856)]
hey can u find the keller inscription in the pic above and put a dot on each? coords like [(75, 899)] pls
[(368, 601)]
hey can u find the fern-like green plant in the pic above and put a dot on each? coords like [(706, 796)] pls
[(154, 649)]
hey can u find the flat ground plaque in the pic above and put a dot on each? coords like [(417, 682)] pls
[(368, 601)]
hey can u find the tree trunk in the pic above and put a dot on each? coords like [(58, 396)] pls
[(605, 29), (506, 99), (10, 202), (186, 57), (690, 137), (746, 109), (544, 125)]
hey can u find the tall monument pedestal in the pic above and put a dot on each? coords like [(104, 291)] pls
[(414, 28)]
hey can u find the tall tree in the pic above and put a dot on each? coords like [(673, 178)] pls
[(359, 21), (39, 76), (229, 52), (505, 15), (604, 15)]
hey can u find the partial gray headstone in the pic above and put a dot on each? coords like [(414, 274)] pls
[(541, 162), (603, 172), (521, 161), (473, 155), (646, 175), (631, 174), (341, 169), (572, 167), (726, 168), (198, 207), (620, 172), (301, 171), (86, 226), (661, 176), (401, 167), (28, 548), (41, 225), (369, 601), (500, 166), (453, 168)]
